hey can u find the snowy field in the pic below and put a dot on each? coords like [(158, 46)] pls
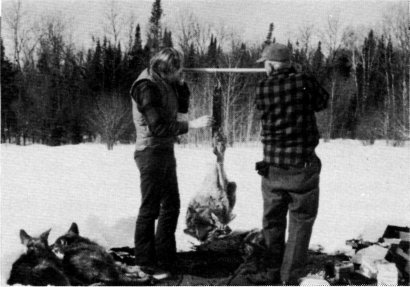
[(363, 188)]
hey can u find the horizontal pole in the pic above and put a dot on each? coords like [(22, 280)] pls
[(225, 70)]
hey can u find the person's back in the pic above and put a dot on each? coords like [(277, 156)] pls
[(290, 168), (288, 101)]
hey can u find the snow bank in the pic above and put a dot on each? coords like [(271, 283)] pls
[(363, 188)]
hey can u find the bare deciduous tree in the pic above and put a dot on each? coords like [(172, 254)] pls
[(131, 20), (396, 24), (233, 88), (352, 40), (190, 29), (332, 39), (305, 35), (109, 118), (15, 18), (114, 22)]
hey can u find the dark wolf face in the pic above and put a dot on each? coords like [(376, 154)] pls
[(62, 243), (203, 224), (35, 245), (38, 266)]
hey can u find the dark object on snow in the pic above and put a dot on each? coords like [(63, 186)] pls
[(85, 262), (125, 255), (405, 245), (246, 243), (399, 254), (358, 244), (204, 266), (220, 262), (394, 231), (358, 279), (39, 266), (262, 168), (330, 271)]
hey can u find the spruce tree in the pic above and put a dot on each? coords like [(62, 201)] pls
[(190, 57), (290, 47), (108, 65), (117, 67), (212, 54), (270, 33), (155, 32), (95, 74), (137, 40), (318, 62), (8, 95), (167, 39), (138, 57), (368, 52)]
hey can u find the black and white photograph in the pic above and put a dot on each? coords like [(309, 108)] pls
[(205, 142)]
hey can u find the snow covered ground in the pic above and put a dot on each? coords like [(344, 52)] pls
[(363, 188)]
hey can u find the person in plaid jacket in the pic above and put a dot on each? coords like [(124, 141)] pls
[(287, 101)]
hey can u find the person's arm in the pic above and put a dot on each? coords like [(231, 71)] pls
[(183, 95), (148, 99), (320, 96)]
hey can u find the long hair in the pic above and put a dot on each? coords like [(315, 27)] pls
[(166, 62)]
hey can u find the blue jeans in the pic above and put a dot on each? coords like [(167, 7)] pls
[(293, 190), (159, 201)]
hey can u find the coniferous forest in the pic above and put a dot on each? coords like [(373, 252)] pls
[(53, 93)]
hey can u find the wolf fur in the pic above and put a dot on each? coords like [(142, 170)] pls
[(86, 262), (39, 266), (210, 210)]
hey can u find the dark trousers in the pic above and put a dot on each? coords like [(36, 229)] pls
[(293, 190), (159, 200)]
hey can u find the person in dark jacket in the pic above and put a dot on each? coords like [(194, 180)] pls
[(287, 101), (158, 95)]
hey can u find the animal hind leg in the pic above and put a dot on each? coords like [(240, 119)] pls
[(231, 193), (222, 180)]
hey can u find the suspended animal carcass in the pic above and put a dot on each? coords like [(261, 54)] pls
[(210, 210)]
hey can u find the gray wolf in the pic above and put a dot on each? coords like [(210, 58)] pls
[(86, 262), (39, 266)]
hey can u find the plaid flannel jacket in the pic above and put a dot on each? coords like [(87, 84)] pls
[(288, 101)]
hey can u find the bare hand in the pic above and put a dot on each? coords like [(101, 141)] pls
[(201, 122)]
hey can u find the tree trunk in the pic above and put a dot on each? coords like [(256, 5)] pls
[(405, 91), (332, 95), (251, 111), (388, 109), (233, 137)]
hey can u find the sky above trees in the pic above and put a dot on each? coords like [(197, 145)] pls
[(248, 19)]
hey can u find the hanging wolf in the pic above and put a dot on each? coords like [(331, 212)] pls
[(210, 210)]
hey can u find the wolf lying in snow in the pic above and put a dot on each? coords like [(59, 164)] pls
[(210, 210), (86, 262), (39, 266)]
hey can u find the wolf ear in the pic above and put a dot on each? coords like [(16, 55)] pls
[(74, 229), (25, 238), (44, 235)]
